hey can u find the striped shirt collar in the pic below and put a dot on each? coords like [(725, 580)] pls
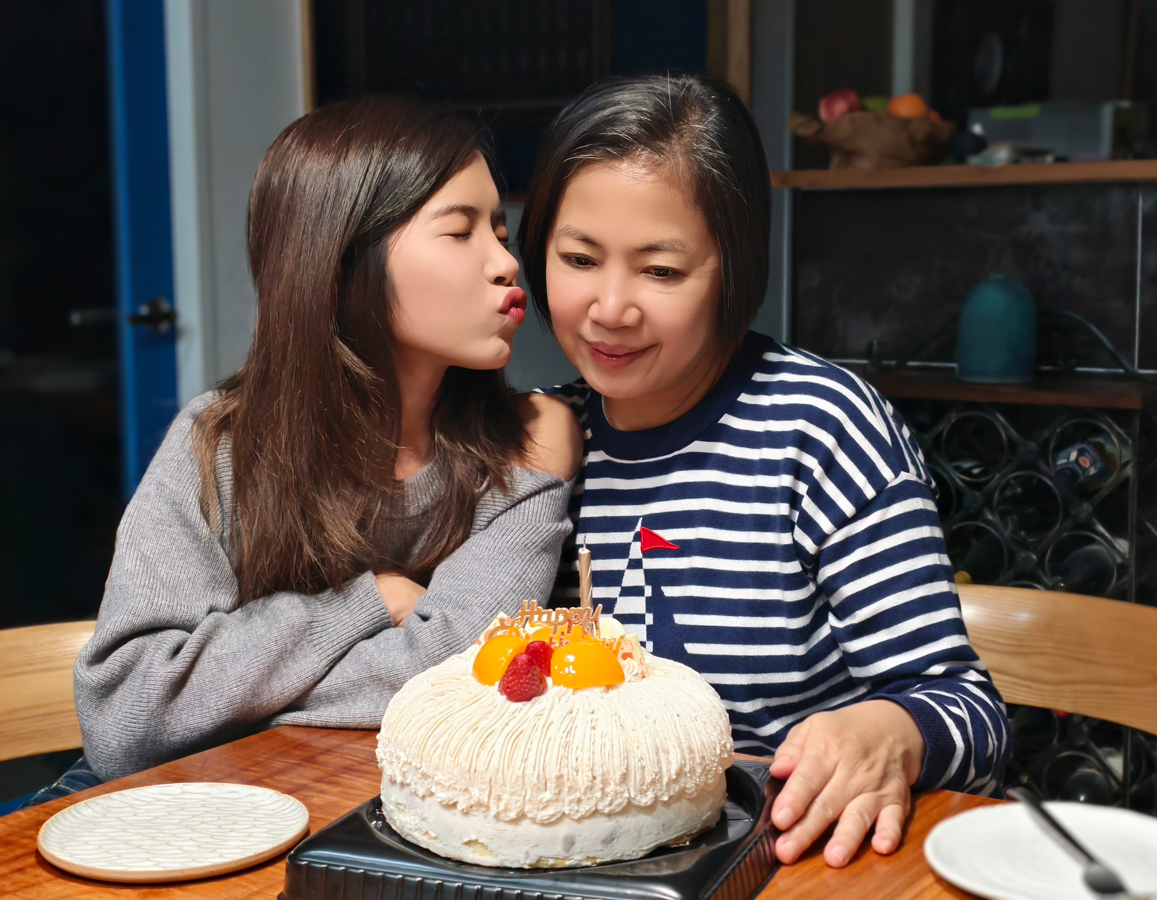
[(680, 432)]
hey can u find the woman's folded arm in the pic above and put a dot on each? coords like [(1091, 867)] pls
[(511, 556), (177, 663)]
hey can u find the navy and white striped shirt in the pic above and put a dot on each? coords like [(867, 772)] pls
[(808, 570)]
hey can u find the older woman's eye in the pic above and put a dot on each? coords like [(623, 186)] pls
[(661, 272), (579, 262)]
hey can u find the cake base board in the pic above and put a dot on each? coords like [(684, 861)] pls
[(359, 857)]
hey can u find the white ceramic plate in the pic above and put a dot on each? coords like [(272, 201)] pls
[(172, 832), (1000, 853)]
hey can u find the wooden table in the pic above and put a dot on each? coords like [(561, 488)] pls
[(333, 771)]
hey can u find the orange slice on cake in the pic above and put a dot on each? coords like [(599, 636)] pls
[(495, 655), (585, 664)]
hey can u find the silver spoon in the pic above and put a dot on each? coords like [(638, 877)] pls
[(1099, 878)]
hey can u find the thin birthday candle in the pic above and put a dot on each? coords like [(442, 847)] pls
[(585, 588)]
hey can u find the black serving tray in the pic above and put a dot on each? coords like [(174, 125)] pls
[(359, 857)]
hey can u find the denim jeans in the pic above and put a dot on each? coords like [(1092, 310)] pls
[(78, 778)]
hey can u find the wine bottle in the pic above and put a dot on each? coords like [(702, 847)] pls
[(1088, 784), (1029, 506), (976, 446), (971, 470), (977, 553), (1082, 564), (1033, 731), (1091, 455), (1085, 466), (947, 499)]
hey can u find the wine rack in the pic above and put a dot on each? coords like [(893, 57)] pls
[(1052, 498), (1012, 517)]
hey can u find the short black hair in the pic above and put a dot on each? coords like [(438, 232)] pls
[(701, 130)]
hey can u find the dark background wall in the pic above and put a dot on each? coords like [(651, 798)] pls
[(59, 449), (515, 63), (839, 43), (893, 265), (60, 489)]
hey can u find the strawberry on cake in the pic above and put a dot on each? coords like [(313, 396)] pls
[(556, 740)]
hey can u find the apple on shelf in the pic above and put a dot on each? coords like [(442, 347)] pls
[(839, 103)]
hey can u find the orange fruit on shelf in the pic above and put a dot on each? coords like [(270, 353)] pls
[(585, 664), (495, 655), (908, 106)]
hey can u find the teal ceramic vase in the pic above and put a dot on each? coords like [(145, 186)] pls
[(997, 337)]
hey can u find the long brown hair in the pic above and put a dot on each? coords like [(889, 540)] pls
[(313, 417)]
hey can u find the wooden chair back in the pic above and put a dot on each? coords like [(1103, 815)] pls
[(1068, 652), (37, 708)]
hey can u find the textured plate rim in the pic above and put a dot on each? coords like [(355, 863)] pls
[(189, 873), (965, 882)]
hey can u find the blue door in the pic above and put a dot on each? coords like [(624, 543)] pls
[(143, 232)]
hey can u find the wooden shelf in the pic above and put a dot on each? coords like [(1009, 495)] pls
[(966, 176), (1047, 390)]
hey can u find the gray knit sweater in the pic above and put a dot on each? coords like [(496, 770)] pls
[(177, 664)]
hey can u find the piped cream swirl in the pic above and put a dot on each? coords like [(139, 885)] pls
[(564, 753)]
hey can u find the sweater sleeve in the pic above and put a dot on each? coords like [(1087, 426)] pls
[(896, 616), (868, 531), (177, 664), (511, 556)]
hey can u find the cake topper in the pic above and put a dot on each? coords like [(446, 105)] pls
[(531, 615)]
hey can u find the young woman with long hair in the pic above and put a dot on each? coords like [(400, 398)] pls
[(365, 494), (758, 513)]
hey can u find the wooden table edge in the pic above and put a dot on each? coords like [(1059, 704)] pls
[(291, 754)]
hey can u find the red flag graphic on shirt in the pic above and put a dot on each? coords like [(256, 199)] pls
[(651, 541)]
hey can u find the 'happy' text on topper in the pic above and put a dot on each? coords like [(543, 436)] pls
[(531, 615)]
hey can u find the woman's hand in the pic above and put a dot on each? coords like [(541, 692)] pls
[(855, 764), (400, 594)]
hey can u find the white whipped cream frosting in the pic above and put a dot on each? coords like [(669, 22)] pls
[(576, 754), (484, 840)]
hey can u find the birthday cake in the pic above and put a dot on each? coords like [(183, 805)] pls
[(556, 740)]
